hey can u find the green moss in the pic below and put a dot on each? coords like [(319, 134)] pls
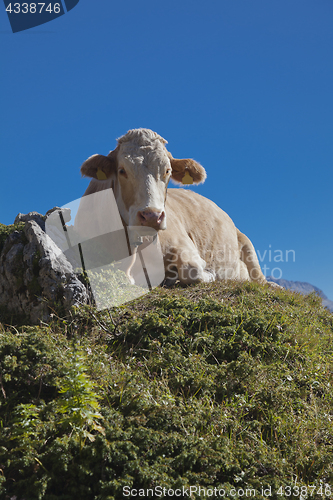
[(5, 231), (224, 385)]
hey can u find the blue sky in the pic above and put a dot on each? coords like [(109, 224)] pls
[(244, 87)]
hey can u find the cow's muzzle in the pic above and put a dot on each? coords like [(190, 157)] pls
[(151, 218)]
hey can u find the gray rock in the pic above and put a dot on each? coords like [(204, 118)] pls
[(35, 276), (35, 216)]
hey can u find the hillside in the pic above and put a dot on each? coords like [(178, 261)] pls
[(225, 386), (304, 288)]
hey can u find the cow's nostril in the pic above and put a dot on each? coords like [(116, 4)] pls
[(141, 216), (161, 217)]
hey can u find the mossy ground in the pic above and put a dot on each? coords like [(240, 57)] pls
[(225, 385)]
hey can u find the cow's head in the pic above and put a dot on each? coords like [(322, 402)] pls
[(140, 168)]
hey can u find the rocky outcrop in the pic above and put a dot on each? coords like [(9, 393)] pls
[(35, 216), (36, 279)]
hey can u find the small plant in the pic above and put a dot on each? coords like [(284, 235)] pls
[(78, 403), (27, 421)]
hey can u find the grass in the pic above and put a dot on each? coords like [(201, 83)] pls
[(222, 385)]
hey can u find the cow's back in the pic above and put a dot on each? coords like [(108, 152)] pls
[(213, 233)]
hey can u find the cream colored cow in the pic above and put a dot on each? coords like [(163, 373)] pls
[(199, 241)]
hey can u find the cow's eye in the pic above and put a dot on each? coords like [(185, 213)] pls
[(122, 172)]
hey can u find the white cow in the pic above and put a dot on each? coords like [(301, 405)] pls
[(199, 241)]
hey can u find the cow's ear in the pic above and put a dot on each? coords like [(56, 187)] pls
[(187, 171), (100, 167)]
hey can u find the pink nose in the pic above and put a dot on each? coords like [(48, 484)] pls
[(150, 218)]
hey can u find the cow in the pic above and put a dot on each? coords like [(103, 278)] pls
[(199, 241)]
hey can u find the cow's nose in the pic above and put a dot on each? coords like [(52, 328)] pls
[(150, 217)]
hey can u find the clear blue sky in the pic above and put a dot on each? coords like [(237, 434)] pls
[(243, 86)]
